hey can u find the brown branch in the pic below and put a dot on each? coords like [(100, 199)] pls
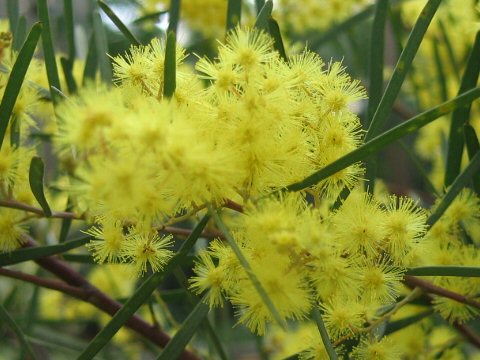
[(186, 232), (94, 296), (230, 204), (428, 287), (469, 334), (73, 291), (12, 204), (412, 281)]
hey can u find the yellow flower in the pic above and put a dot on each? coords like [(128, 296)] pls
[(373, 349), (11, 229), (108, 242), (209, 277), (142, 249)]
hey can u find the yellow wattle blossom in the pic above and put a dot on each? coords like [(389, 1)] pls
[(310, 15), (205, 16), (373, 349)]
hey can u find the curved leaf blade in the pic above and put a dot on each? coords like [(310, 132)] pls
[(35, 176), (34, 253), (403, 323), (261, 22), (17, 75), (248, 269), (473, 147), (461, 115), (401, 68), (277, 38), (101, 45), (118, 23), (170, 69), (234, 12), (173, 16), (463, 271), (181, 339), (324, 334), (48, 50)]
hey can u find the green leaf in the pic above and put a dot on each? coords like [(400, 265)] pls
[(48, 50), (69, 29), (11, 323), (465, 271), (396, 23), (450, 51), (67, 67), (152, 16), (16, 78), (170, 68), (473, 147), (461, 115), (13, 12), (174, 16), (118, 23), (79, 258), (91, 62), (101, 45), (262, 19), (248, 269), (182, 337), (460, 182), (376, 59), (20, 33), (193, 299), (33, 253), (277, 38), (15, 131), (439, 64), (379, 142), (334, 31), (234, 13), (259, 5), (35, 176), (403, 323), (323, 333), (66, 223), (401, 69), (376, 64), (140, 296)]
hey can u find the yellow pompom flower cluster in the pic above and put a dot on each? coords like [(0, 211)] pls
[(350, 260), (260, 124), (453, 240)]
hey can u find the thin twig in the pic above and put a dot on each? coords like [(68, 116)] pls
[(210, 234), (52, 284), (13, 204), (230, 204), (412, 281), (472, 337)]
